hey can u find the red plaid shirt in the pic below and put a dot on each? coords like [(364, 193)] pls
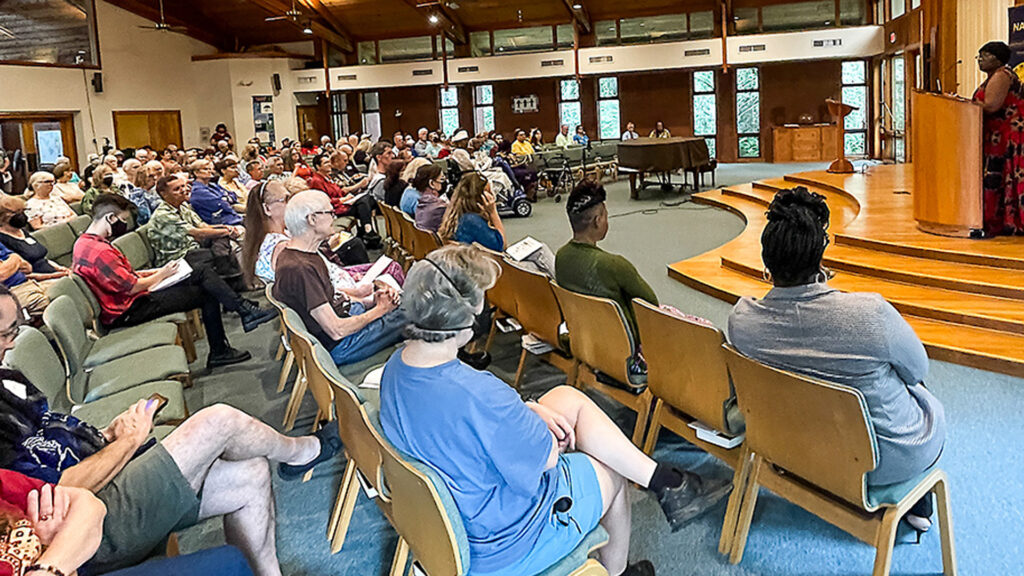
[(108, 274)]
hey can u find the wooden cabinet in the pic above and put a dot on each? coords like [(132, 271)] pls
[(814, 143)]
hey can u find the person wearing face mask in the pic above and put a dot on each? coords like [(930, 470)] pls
[(13, 223), (423, 200), (102, 183), (125, 294)]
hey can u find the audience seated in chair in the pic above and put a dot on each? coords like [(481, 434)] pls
[(231, 181), (346, 200), (214, 464), (46, 528), (44, 208), (423, 200), (531, 479), (353, 327), (854, 339), (581, 266), (472, 215), (13, 222), (102, 182), (379, 157), (125, 295), (66, 188), (211, 202)]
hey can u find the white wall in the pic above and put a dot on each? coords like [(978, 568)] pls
[(142, 70), (977, 22)]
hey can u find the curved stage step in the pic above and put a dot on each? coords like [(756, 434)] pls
[(965, 298)]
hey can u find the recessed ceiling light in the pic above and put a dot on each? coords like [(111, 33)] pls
[(307, 30), (577, 6), (433, 18)]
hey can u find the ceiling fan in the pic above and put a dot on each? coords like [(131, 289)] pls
[(162, 25), (293, 15)]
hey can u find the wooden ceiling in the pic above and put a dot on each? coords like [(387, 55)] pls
[(233, 25)]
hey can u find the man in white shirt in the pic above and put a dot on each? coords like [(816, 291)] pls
[(421, 143), (563, 140), (630, 133)]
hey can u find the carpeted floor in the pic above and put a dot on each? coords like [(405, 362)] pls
[(985, 413)]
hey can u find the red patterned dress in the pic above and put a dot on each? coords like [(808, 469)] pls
[(1003, 150)]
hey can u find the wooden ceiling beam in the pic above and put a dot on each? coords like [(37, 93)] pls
[(203, 33), (581, 18), (331, 20), (447, 21), (320, 30)]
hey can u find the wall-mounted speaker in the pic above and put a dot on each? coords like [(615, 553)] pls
[(97, 82), (275, 83)]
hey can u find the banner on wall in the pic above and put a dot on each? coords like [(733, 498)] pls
[(1017, 40), (263, 119)]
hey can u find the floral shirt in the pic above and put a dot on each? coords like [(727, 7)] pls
[(52, 210), (146, 201), (169, 229)]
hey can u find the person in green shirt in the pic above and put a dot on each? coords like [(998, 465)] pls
[(580, 266)]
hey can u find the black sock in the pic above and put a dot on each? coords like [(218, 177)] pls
[(665, 476)]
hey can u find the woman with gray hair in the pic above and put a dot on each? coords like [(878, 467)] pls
[(531, 479), (44, 208)]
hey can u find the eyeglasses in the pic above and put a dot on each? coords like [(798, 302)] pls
[(331, 212), (11, 333)]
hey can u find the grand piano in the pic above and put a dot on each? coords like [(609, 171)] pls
[(645, 156)]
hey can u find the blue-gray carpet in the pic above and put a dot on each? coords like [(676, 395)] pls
[(985, 414)]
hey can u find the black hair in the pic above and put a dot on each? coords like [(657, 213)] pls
[(795, 237), (110, 204), (380, 148), (163, 183), (582, 202), (425, 175), (998, 49)]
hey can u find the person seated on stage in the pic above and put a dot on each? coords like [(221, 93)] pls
[(522, 146), (215, 463), (532, 479), (45, 208), (853, 339), (472, 215), (342, 200), (352, 329), (563, 139), (46, 529), (581, 266), (211, 202), (630, 133), (423, 200), (13, 222), (266, 237), (230, 181), (580, 138), (660, 131), (175, 230), (66, 188), (124, 293)]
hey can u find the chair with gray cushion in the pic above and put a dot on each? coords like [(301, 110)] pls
[(34, 357), (87, 383), (78, 225), (134, 249), (59, 241)]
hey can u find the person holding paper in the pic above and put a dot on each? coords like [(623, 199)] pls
[(126, 296), (351, 330), (345, 201)]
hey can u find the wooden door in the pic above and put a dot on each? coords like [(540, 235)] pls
[(312, 121), (138, 128)]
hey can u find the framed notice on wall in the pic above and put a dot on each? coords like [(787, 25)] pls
[(263, 118)]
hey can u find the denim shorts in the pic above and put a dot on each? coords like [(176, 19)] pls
[(563, 532)]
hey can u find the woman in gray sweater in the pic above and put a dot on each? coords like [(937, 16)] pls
[(854, 339)]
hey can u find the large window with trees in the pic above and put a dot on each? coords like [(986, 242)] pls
[(569, 110), (608, 108), (483, 108), (855, 93), (748, 112), (449, 110), (339, 115), (705, 108), (371, 114)]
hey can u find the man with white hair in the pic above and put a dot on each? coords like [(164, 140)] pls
[(352, 330), (421, 143), (142, 155), (563, 140), (325, 141)]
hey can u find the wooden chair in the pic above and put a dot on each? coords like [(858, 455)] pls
[(538, 312), (407, 226), (291, 358), (429, 526), (500, 295), (423, 241), (812, 443), (600, 340), (687, 375), (393, 232)]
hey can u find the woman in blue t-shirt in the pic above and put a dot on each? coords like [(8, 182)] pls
[(472, 215), (530, 479)]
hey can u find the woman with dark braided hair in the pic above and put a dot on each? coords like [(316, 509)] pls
[(854, 339)]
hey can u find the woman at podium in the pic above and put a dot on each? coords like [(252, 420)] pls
[(1002, 97)]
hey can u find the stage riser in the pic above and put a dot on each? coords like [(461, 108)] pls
[(910, 277), (931, 254)]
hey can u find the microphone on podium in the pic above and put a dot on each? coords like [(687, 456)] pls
[(938, 80)]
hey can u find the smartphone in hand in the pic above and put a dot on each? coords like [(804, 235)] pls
[(158, 400)]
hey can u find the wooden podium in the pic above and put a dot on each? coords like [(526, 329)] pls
[(946, 139), (840, 111)]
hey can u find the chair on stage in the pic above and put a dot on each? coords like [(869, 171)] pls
[(600, 341), (812, 443)]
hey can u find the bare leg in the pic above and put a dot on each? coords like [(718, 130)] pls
[(223, 432), (616, 518), (598, 436), (241, 491)]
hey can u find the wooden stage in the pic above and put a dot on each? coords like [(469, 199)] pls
[(965, 298)]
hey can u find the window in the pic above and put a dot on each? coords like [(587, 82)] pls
[(339, 115), (406, 49), (569, 111), (705, 108), (702, 25), (899, 108), (855, 93), (607, 32), (371, 115), (51, 32), (798, 15), (480, 43), (668, 28), (915, 4), (483, 108), (564, 36), (852, 13), (746, 20), (367, 52), (608, 108), (748, 112), (897, 8), (524, 39), (449, 110)]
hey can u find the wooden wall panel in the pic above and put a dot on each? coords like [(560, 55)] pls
[(546, 117), (792, 89), (646, 98), (419, 105)]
